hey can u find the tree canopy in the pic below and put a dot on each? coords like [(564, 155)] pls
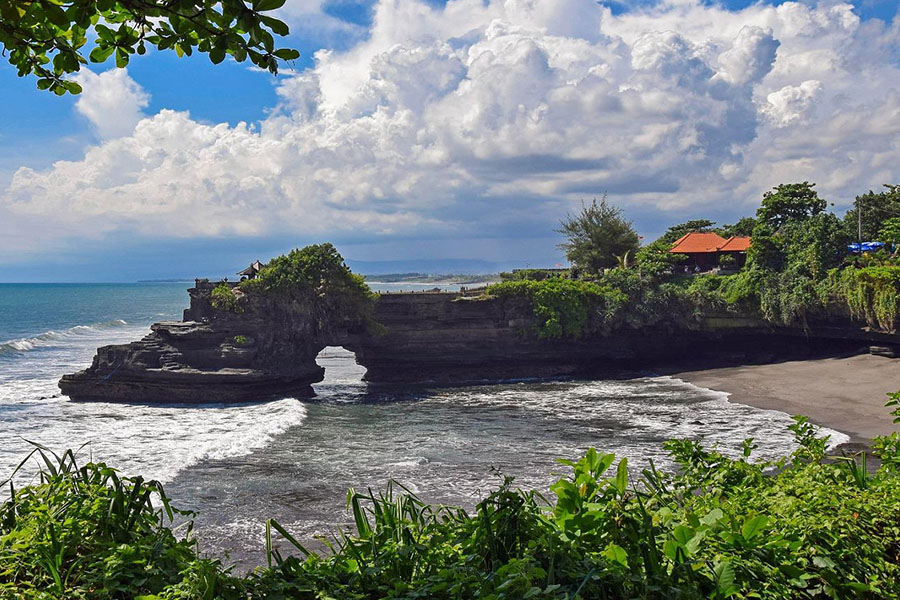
[(743, 227), (876, 208), (598, 237), (52, 39), (789, 202), (674, 232)]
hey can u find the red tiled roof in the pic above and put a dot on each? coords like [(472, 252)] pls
[(697, 243), (735, 243)]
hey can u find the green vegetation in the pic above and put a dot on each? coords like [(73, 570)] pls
[(872, 294), (870, 211), (50, 39), (563, 307), (797, 270), (241, 340), (87, 532), (805, 526), (532, 275), (598, 237), (312, 280), (223, 298)]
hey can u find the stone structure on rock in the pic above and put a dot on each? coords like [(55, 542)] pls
[(269, 350)]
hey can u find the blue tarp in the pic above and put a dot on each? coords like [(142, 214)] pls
[(866, 246)]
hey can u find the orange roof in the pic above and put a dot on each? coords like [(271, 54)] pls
[(697, 242), (735, 243)]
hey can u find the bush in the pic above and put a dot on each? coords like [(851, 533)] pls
[(871, 293), (316, 280), (728, 261), (86, 532), (531, 275), (223, 298), (564, 308)]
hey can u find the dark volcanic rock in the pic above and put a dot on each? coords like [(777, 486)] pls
[(212, 356)]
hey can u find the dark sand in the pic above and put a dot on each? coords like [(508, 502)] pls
[(846, 394)]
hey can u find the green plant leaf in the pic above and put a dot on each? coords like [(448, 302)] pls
[(753, 525)]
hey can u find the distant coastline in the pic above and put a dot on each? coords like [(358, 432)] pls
[(447, 279), (175, 280)]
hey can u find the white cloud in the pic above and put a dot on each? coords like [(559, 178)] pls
[(478, 117), (112, 101)]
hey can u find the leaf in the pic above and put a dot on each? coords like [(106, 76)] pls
[(712, 517), (622, 476), (791, 570), (670, 549), (121, 57), (724, 577), (683, 534), (616, 554), (101, 53), (217, 55), (823, 562), (753, 525), (287, 54), (261, 5), (279, 27)]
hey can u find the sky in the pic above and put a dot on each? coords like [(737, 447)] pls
[(434, 136)]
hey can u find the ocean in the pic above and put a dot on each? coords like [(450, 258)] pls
[(292, 459)]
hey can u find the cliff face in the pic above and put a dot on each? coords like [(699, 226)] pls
[(211, 356), (270, 349)]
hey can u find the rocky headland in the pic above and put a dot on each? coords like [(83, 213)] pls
[(269, 348)]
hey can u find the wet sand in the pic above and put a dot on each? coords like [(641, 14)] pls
[(846, 394)]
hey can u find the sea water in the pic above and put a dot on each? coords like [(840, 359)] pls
[(293, 460)]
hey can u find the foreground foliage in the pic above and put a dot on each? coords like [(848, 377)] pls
[(52, 39), (805, 526)]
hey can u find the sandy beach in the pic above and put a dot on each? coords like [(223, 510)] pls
[(846, 394)]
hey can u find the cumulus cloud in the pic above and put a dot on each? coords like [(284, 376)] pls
[(112, 101), (479, 117)]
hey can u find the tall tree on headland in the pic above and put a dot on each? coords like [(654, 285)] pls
[(789, 202), (597, 235), (50, 38)]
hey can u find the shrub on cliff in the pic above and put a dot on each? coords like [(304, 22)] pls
[(223, 298), (563, 308), (529, 275), (871, 293), (318, 278)]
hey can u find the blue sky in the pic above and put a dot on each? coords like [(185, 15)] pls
[(399, 176)]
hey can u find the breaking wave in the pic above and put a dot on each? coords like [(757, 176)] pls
[(49, 338)]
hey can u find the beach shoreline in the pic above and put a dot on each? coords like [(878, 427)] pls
[(845, 393)]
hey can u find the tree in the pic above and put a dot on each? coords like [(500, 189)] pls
[(676, 231), (743, 227), (870, 211), (789, 202), (890, 234), (50, 38), (596, 236)]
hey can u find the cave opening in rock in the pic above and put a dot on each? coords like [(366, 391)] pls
[(341, 369)]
